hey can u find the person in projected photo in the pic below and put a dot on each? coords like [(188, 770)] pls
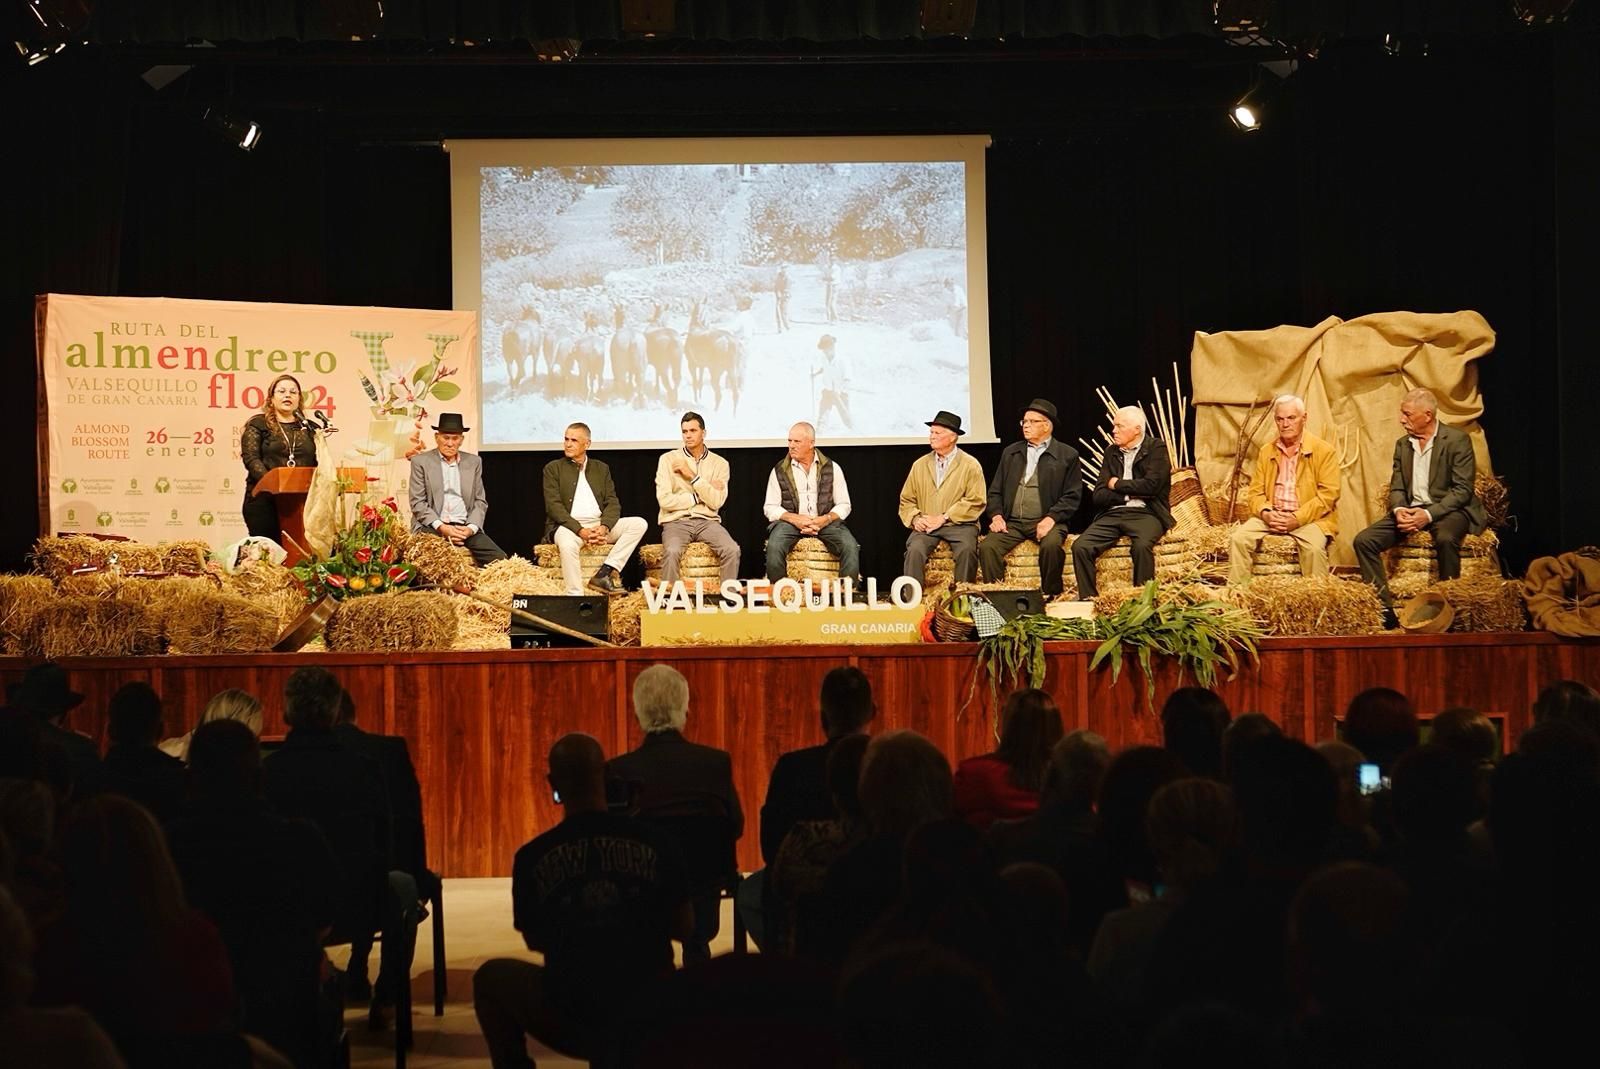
[(447, 495), (780, 297), (958, 307), (941, 501), (830, 381), (279, 436)]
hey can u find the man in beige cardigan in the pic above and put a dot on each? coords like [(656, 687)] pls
[(691, 486), (941, 501), (1295, 492)]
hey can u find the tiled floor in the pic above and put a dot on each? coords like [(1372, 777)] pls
[(477, 928)]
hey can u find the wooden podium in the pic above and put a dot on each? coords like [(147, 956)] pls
[(288, 487)]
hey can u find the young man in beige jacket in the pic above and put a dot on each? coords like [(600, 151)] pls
[(691, 486)]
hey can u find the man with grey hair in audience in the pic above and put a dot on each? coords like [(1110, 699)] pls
[(1131, 495), (1295, 492), (676, 783), (1431, 489)]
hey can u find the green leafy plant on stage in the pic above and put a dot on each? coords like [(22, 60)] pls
[(364, 557), (1203, 635)]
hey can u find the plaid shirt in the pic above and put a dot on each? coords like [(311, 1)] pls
[(1285, 498)]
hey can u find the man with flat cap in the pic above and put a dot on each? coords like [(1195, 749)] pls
[(447, 496), (1033, 495), (941, 501)]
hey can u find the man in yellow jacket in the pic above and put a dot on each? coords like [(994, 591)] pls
[(941, 501), (1295, 492)]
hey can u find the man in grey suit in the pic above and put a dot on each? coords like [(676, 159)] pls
[(1431, 489), (447, 496)]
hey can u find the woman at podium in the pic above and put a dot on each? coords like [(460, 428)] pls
[(279, 436)]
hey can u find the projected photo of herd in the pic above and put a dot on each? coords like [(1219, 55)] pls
[(758, 294)]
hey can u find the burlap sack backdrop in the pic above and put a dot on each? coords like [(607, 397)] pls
[(1352, 376)]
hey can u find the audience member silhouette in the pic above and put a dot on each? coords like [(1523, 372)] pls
[(410, 881), (44, 692), (600, 895), (229, 704), (134, 767), (270, 884), (795, 878), (62, 1037), (128, 948), (687, 789), (1005, 784), (1568, 699), (1246, 728), (1381, 723), (1193, 720), (314, 777)]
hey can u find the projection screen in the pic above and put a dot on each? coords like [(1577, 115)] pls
[(761, 282)]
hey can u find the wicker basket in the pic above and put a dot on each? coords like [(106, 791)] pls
[(950, 628), (1187, 500)]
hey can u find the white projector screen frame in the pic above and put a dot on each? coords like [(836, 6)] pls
[(913, 298)]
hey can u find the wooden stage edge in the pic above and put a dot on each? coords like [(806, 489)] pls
[(480, 723)]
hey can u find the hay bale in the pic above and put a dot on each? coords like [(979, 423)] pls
[(206, 620), (415, 620), (1022, 563), (590, 558), (1114, 567), (23, 599), (480, 626), (1306, 605), (1485, 603), (622, 620), (184, 556), (1208, 550), (1496, 498), (99, 627), (440, 563), (90, 585), (812, 559), (504, 579), (699, 561), (58, 557), (1416, 556)]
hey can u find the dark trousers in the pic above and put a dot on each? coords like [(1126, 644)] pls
[(1447, 531), (482, 547), (963, 541), (261, 517), (782, 536), (1052, 556), (707, 923), (398, 926), (512, 1001), (1143, 531)]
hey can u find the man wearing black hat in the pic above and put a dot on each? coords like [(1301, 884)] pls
[(447, 496), (1034, 493), (44, 693), (941, 501)]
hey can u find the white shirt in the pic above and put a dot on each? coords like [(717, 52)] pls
[(1421, 465), (831, 374), (454, 507), (1034, 452), (1128, 456), (805, 488), (585, 509)]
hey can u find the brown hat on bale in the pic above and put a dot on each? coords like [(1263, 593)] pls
[(1428, 613)]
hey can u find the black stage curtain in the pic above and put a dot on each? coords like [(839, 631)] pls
[(1456, 181)]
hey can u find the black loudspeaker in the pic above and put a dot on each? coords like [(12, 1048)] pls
[(1015, 603), (587, 614)]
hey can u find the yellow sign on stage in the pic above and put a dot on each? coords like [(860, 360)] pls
[(708, 617)]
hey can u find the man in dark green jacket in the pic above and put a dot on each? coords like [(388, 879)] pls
[(581, 509)]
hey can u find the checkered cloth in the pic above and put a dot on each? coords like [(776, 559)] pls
[(986, 616)]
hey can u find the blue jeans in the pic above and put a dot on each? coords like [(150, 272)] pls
[(782, 536)]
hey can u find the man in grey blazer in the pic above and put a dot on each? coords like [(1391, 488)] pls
[(1431, 489), (447, 496)]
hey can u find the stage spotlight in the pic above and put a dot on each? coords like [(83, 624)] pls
[(1542, 12), (45, 28), (1246, 116), (242, 132), (1241, 17), (948, 18)]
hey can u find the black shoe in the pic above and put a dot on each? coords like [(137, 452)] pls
[(607, 581), (379, 1016), (357, 989), (1391, 622)]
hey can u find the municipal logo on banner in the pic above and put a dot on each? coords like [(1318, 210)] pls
[(69, 486), (103, 520), (163, 485), (207, 519)]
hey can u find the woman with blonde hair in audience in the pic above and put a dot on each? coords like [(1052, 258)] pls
[(230, 704)]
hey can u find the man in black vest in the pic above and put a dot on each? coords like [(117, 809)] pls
[(807, 497), (1034, 493)]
